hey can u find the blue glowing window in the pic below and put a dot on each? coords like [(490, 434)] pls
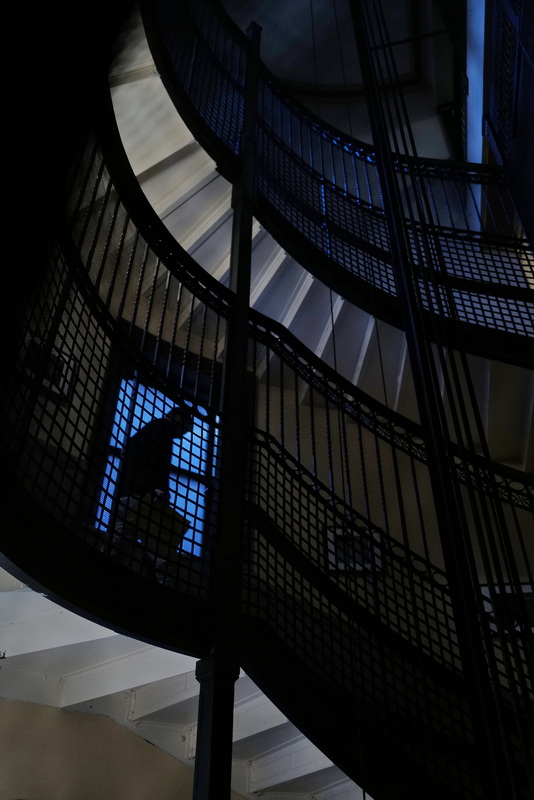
[(192, 459)]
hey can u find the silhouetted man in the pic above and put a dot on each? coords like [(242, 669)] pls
[(146, 457), (145, 473)]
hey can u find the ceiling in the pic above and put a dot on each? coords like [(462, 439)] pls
[(312, 41), (310, 46)]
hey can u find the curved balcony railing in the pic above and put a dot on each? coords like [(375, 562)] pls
[(321, 190), (343, 562)]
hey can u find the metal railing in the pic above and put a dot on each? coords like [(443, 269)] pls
[(324, 187), (341, 555)]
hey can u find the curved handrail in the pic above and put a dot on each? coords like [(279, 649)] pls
[(360, 456), (357, 617), (403, 434), (319, 190), (56, 431), (400, 432)]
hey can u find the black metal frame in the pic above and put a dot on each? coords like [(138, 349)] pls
[(324, 164), (381, 649)]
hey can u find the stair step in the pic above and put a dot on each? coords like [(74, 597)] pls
[(194, 201), (131, 53), (284, 292), (313, 332), (149, 126), (406, 401), (267, 258), (344, 346), (199, 212), (378, 368)]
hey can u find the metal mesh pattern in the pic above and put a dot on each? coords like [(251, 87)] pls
[(315, 417), (503, 94), (343, 558), (497, 313), (295, 192), (339, 518), (326, 186), (210, 68), (475, 259), (344, 561), (357, 617), (344, 163), (514, 488), (381, 575), (115, 341)]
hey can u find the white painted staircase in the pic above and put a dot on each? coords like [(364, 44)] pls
[(52, 657), (183, 185)]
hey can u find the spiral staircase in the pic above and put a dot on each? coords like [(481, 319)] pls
[(145, 688), (185, 187)]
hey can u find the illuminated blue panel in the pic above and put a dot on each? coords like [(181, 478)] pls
[(136, 406)]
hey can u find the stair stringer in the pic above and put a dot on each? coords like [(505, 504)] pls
[(367, 751)]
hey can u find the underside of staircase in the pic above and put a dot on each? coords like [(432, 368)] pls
[(54, 658)]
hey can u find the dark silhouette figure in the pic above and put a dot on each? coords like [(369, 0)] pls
[(144, 477), (146, 457)]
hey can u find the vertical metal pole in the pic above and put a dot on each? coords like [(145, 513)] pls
[(454, 536), (213, 761), (218, 672)]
